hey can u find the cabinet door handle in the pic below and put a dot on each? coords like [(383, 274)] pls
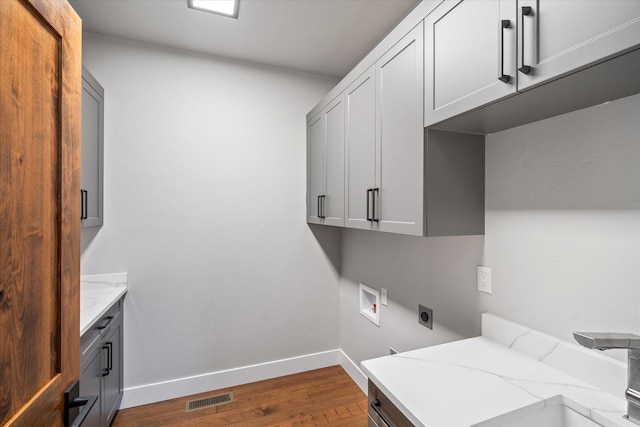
[(504, 24), (72, 399), (108, 319), (110, 345), (105, 371), (322, 199), (376, 195), (83, 204), (318, 207), (375, 405), (526, 11), (369, 194)]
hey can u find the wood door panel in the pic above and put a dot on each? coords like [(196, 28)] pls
[(30, 208), (39, 258)]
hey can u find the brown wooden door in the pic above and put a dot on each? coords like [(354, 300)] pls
[(40, 95)]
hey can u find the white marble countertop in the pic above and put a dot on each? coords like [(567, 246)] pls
[(473, 381), (98, 293)]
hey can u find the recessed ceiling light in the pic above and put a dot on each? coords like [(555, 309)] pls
[(220, 7)]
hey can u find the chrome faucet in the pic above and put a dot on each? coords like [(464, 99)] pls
[(630, 342)]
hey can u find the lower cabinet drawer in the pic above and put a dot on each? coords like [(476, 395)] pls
[(383, 413), (90, 337)]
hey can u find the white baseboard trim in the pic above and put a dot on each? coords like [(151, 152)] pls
[(157, 392), (354, 372)]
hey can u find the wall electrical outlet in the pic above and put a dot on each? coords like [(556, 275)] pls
[(425, 316), (383, 297), (484, 279)]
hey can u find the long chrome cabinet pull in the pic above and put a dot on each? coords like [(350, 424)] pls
[(525, 69), (318, 207), (375, 405), (369, 191), (505, 78), (376, 194)]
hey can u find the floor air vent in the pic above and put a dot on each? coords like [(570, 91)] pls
[(208, 402)]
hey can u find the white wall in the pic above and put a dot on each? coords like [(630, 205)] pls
[(563, 221), (562, 238), (205, 208), (438, 272)]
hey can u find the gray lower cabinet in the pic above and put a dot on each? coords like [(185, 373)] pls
[(382, 412), (113, 381), (91, 197), (91, 385), (101, 366)]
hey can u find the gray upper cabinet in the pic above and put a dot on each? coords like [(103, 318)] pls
[(360, 151), (398, 178), (325, 165), (333, 200), (316, 137), (384, 142), (462, 69), (558, 37), (398, 198), (479, 52), (91, 195), (470, 56)]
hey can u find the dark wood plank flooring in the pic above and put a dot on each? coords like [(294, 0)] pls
[(323, 397)]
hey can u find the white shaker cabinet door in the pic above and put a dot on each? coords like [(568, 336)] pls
[(316, 140), (360, 150), (470, 56), (399, 193), (558, 37), (333, 201)]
